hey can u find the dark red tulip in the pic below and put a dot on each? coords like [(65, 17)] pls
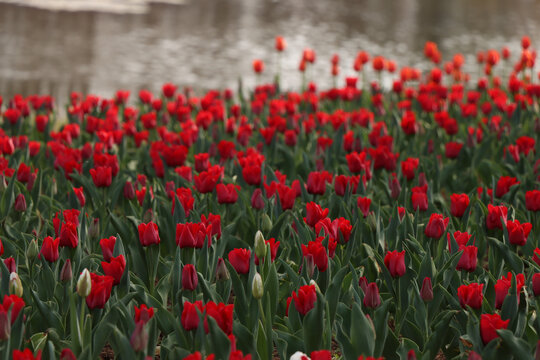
[(536, 284), (20, 203), (427, 290), (193, 235), (408, 167), (100, 291), (363, 204), (107, 247), (532, 200), (468, 259), (496, 214), (503, 185), (189, 277), (518, 232), (68, 235), (190, 317), (458, 204), (372, 298), (436, 226), (314, 213), (227, 194), (143, 313), (102, 176), (318, 253)]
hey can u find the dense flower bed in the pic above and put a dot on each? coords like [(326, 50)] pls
[(353, 222)]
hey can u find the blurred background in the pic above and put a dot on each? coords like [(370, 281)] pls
[(58, 46)]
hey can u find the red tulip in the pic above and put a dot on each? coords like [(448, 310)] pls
[(532, 200), (436, 226), (314, 213), (223, 314), (102, 176), (458, 204), (395, 262), (143, 313), (408, 123), (169, 90), (536, 256), (495, 213), (257, 201), (100, 291), (502, 286), (280, 43), (489, 324), (68, 235), (408, 167), (468, 259), (316, 182), (471, 295), (364, 203), (318, 252), (27, 354), (227, 194), (206, 181), (67, 354), (13, 302), (304, 298), (192, 235), (518, 232), (213, 223), (80, 195), (189, 277), (452, 149), (503, 185), (258, 66), (107, 247), (115, 268), (190, 317), (148, 234), (419, 198), (372, 298), (239, 259), (49, 249)]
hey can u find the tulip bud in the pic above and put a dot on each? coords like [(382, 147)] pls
[(310, 264), (372, 298), (260, 246), (536, 284), (266, 223), (427, 290), (363, 283), (257, 287), (129, 190), (411, 355), (31, 181), (93, 229), (20, 203), (15, 285), (474, 356), (84, 284), (221, 271), (313, 282), (5, 325), (139, 338), (32, 250), (189, 277), (66, 273)]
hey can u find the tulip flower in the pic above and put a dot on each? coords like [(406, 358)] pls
[(489, 324), (304, 298), (189, 277), (436, 226), (239, 259), (395, 262), (49, 249), (371, 297), (471, 295), (148, 234), (518, 232)]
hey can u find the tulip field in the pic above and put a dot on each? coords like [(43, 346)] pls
[(395, 215)]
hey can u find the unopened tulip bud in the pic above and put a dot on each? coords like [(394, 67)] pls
[(84, 284), (20, 203), (411, 355), (15, 285), (93, 229), (189, 277), (221, 271), (536, 284), (5, 325), (67, 354), (266, 223), (363, 283), (129, 190), (313, 282), (139, 338), (427, 290), (66, 273), (257, 287), (31, 181), (260, 246), (372, 298), (33, 250), (310, 265)]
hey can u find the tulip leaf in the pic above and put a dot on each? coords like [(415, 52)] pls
[(518, 347), (314, 325)]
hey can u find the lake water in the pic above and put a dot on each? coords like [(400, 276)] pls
[(205, 44)]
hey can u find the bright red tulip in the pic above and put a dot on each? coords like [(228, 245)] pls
[(489, 324), (471, 295), (148, 234), (115, 268), (304, 298), (518, 232), (436, 226), (239, 259), (100, 291), (458, 204), (395, 262), (49, 249)]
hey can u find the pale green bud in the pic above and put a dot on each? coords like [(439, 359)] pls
[(257, 286), (84, 284), (260, 245), (15, 285), (266, 223)]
